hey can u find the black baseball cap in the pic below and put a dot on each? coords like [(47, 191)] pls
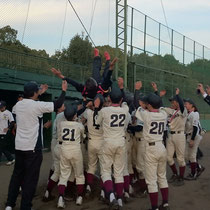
[(2, 104), (143, 98), (190, 101), (31, 87), (173, 98)]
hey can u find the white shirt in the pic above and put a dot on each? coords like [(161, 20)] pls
[(5, 118), (28, 118), (154, 124), (93, 133)]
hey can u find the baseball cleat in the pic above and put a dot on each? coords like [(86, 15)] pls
[(131, 191), (8, 208), (120, 204), (79, 201), (191, 177), (164, 207), (47, 197), (102, 196), (126, 197), (113, 205), (179, 182), (88, 192), (10, 162), (61, 203), (200, 170), (173, 178)]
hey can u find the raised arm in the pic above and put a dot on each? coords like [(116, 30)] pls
[(180, 101)]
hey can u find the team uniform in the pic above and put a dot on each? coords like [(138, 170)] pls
[(176, 141), (155, 153), (190, 153), (5, 118), (71, 156), (114, 120), (95, 142)]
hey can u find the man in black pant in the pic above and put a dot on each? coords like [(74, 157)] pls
[(6, 123), (28, 144)]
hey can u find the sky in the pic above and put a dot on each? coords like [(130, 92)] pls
[(43, 28)]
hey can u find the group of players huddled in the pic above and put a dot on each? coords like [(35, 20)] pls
[(121, 138)]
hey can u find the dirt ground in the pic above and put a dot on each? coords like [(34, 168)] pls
[(194, 195)]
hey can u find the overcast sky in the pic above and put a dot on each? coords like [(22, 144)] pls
[(45, 20)]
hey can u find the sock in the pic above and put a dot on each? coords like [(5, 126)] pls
[(154, 200), (142, 184), (61, 189), (126, 183), (80, 189), (193, 168), (107, 56), (181, 171), (90, 178), (119, 190), (51, 184), (164, 192), (173, 168), (108, 187), (96, 52)]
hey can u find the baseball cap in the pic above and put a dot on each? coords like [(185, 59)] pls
[(143, 98), (31, 87), (154, 100), (2, 104), (189, 101), (173, 98)]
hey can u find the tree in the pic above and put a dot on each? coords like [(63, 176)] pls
[(8, 35)]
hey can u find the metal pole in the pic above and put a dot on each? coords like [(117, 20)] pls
[(203, 52), (125, 45), (131, 33), (159, 40), (116, 50), (145, 33), (172, 37), (194, 50), (183, 49)]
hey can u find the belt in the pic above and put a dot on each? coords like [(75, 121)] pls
[(176, 132), (152, 144), (60, 142), (138, 139), (188, 134)]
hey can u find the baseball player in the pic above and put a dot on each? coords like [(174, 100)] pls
[(114, 121), (6, 123), (137, 128), (155, 153), (192, 130), (56, 148), (71, 155), (95, 142), (91, 87), (177, 116)]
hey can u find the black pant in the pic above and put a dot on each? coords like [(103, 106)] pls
[(3, 148), (25, 174)]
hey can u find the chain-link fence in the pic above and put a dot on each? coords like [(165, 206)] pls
[(160, 54)]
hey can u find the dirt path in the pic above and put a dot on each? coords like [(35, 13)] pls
[(194, 195)]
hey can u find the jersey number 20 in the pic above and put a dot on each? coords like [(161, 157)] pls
[(157, 128), (68, 135)]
